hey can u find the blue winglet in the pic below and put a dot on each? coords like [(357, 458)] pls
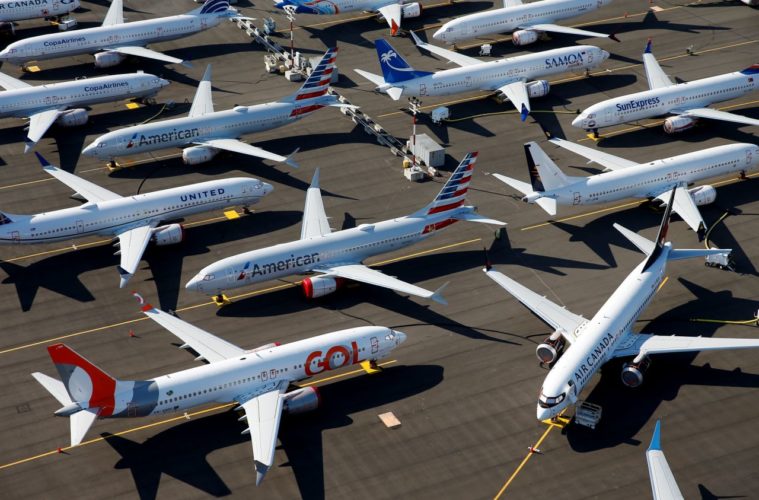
[(524, 113), (42, 159), (656, 438), (648, 47)]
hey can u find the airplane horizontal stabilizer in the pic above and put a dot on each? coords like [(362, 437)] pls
[(641, 242), (375, 79), (690, 253), (80, 423), (54, 387), (475, 217), (520, 186)]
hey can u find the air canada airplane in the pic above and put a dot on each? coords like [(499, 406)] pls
[(58, 102), (392, 10), (21, 10), (688, 101), (338, 256), (550, 187), (257, 379), (608, 334), (134, 220), (114, 40)]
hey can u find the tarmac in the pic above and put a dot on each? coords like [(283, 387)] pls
[(465, 384)]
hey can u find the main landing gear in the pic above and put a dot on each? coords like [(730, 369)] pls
[(221, 300)]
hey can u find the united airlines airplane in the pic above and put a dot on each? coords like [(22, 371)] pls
[(338, 256), (59, 102), (256, 379), (134, 220), (21, 10), (608, 334), (687, 101), (391, 10), (205, 132), (527, 21), (549, 186), (112, 42), (513, 76)]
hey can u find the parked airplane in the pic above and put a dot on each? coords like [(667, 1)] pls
[(53, 102), (112, 42), (687, 101), (549, 186), (204, 132), (134, 220), (337, 256), (527, 21), (608, 334), (663, 484), (392, 10), (256, 379), (509, 76), (21, 10)]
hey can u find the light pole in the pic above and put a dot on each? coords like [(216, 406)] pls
[(414, 105)]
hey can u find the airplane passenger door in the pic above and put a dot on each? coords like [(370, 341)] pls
[(79, 227), (576, 198), (131, 410), (422, 89), (232, 276), (468, 81), (15, 236), (749, 157)]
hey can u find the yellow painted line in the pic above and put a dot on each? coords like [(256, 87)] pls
[(425, 252), (753, 321), (342, 375), (663, 282), (609, 209)]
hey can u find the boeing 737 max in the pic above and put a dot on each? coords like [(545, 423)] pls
[(257, 379), (663, 484), (20, 10), (608, 334)]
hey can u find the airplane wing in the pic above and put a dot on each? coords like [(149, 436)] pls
[(555, 315), (511, 3), (315, 222), (392, 14), (656, 76), (663, 484), (556, 28), (115, 14), (450, 55), (517, 94), (132, 244), (685, 208), (715, 114), (237, 146), (606, 160), (91, 192), (209, 346), (644, 344), (263, 414), (38, 124), (135, 50), (9, 83), (202, 103)]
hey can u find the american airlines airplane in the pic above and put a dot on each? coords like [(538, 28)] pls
[(112, 42), (608, 334), (687, 101), (134, 220), (59, 102), (549, 186), (257, 379), (204, 132), (663, 484), (21, 10), (338, 256), (512, 76), (391, 10), (527, 21)]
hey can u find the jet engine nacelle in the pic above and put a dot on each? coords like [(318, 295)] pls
[(549, 351), (73, 118), (319, 286), (7, 28), (108, 59), (632, 373), (301, 400), (411, 10), (524, 37), (168, 235), (703, 195), (675, 124), (538, 88), (198, 154)]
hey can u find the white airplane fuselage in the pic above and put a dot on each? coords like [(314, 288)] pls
[(19, 10), (108, 218), (331, 7)]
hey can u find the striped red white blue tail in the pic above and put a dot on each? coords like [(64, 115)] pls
[(317, 83), (453, 194)]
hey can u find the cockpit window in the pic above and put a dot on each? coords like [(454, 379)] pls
[(208, 277), (549, 402)]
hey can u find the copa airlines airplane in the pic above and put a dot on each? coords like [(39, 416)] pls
[(21, 10), (391, 10), (608, 334), (687, 101), (338, 256), (549, 186), (256, 379), (58, 102), (663, 484), (527, 21), (134, 220), (112, 42), (204, 132), (510, 76)]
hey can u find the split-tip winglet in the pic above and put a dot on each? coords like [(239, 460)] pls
[(261, 471), (315, 179), (207, 74), (418, 41), (656, 438), (42, 159), (524, 112), (437, 296), (648, 46), (290, 161), (613, 36), (488, 265)]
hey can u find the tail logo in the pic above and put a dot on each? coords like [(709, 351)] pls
[(388, 56), (214, 6)]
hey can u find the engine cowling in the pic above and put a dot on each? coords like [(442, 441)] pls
[(301, 400), (550, 349), (73, 118), (675, 124), (703, 195), (538, 88), (632, 373), (7, 28), (319, 286), (168, 235), (411, 10), (524, 37), (108, 59), (198, 154)]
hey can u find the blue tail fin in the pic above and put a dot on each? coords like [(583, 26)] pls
[(214, 6), (394, 68)]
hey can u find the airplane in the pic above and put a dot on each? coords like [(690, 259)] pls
[(134, 220), (256, 379), (550, 187), (204, 132), (510, 76), (527, 21), (688, 101), (608, 334), (21, 10), (114, 40), (391, 10), (336, 257), (663, 484), (57, 102)]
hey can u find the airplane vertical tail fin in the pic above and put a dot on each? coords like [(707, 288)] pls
[(544, 174), (115, 14), (85, 383), (395, 69), (453, 194), (317, 83), (212, 7)]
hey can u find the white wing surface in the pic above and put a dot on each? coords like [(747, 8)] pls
[(202, 103), (685, 208), (663, 484), (715, 114), (9, 83), (91, 192), (450, 55), (364, 274), (511, 3), (556, 28), (132, 245), (392, 14), (656, 76), (134, 50), (604, 159), (38, 125), (315, 222), (237, 146), (643, 343), (115, 14), (263, 414), (517, 94)]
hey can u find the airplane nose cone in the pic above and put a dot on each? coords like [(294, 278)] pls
[(194, 283), (543, 413), (268, 188), (163, 82), (439, 35), (401, 336), (605, 54), (577, 122), (88, 151)]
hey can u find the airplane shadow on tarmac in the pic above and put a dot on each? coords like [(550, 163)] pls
[(180, 451)]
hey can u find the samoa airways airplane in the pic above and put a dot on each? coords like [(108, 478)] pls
[(549, 186), (526, 21), (204, 132), (21, 10), (510, 76), (134, 220), (608, 334), (687, 101), (256, 379), (114, 40), (338, 256), (58, 102)]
